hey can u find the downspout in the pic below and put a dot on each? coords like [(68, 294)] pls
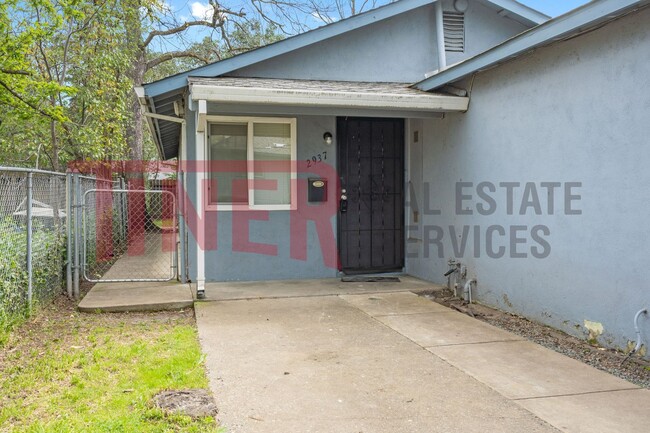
[(440, 36), (200, 198)]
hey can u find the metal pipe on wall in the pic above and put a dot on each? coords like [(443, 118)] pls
[(638, 330), (468, 290), (440, 36)]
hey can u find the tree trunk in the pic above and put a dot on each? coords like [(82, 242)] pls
[(134, 129)]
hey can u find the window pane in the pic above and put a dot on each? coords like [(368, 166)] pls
[(272, 156), (227, 143)]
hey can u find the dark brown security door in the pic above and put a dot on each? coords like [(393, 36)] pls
[(371, 215)]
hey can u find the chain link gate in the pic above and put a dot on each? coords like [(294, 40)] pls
[(129, 235)]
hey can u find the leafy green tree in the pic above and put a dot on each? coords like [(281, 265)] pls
[(68, 68), (62, 81)]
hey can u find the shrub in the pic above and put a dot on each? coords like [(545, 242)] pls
[(48, 252)]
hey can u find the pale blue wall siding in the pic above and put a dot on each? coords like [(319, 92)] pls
[(224, 264), (577, 111), (399, 49)]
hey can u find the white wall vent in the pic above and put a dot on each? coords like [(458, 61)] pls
[(454, 27)]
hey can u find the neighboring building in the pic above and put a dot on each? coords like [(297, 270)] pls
[(524, 159)]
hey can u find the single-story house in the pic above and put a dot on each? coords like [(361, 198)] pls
[(477, 136)]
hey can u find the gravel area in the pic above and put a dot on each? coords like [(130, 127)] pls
[(634, 369)]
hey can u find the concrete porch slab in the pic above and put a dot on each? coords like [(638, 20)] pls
[(119, 297), (224, 291)]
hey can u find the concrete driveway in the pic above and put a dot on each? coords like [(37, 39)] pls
[(395, 362)]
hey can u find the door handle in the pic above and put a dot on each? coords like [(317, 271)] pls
[(344, 201)]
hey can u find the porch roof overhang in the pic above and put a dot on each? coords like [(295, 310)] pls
[(328, 97), (331, 94)]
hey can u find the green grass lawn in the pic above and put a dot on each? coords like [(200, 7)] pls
[(65, 371)]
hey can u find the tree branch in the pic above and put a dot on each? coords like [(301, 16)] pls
[(174, 55), (26, 102), (14, 72), (219, 15), (176, 30)]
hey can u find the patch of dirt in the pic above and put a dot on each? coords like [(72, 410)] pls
[(196, 403), (634, 369)]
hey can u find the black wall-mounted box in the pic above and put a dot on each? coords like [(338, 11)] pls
[(317, 190)]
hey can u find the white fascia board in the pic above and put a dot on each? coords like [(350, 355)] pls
[(523, 11), (151, 117), (572, 22), (140, 93), (315, 98)]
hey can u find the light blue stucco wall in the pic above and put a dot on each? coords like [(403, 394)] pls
[(227, 264), (577, 111), (399, 49)]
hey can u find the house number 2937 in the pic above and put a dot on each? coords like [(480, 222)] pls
[(320, 157)]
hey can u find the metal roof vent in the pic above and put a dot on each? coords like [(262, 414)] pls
[(454, 27)]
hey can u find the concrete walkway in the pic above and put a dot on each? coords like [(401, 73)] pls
[(395, 362), (119, 297), (154, 263)]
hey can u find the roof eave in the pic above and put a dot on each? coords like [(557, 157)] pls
[(330, 99), (558, 28)]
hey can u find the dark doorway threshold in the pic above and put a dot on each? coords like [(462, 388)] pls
[(369, 279)]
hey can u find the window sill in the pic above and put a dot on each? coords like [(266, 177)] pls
[(247, 207)]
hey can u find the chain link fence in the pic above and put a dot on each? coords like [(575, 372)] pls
[(33, 233), (129, 235), (91, 254), (58, 229)]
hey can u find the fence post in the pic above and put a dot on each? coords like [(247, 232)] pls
[(77, 233), (28, 209), (68, 232), (123, 199)]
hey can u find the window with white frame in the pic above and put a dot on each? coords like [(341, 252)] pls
[(252, 162)]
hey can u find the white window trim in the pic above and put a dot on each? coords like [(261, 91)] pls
[(293, 183)]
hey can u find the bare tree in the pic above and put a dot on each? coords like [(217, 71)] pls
[(331, 11), (137, 13)]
